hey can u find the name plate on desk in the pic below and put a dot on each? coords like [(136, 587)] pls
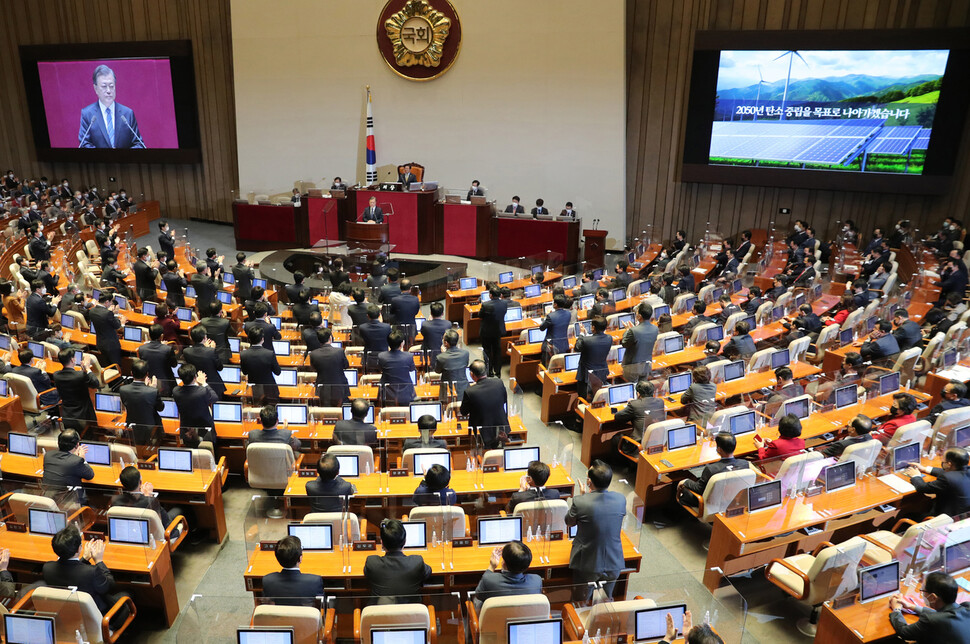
[(398, 471), (733, 512), (842, 602), (398, 421), (598, 404), (814, 490), (364, 545), (91, 535), (554, 535), (556, 370), (461, 542), (267, 546), (655, 449), (145, 465), (519, 343), (16, 526), (306, 474), (488, 469)]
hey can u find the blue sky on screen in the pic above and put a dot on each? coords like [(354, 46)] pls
[(740, 68)]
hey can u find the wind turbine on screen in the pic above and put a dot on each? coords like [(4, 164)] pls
[(791, 53), (761, 81)]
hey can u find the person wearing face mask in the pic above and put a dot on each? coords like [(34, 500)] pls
[(10, 180), (40, 246), (70, 226), (475, 191), (124, 202), (902, 412), (39, 310), (54, 209), (952, 484), (568, 211), (105, 324)]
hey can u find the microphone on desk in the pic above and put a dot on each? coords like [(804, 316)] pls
[(138, 138), (84, 137)]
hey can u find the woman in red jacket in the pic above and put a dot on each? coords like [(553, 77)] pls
[(790, 441), (901, 413), (842, 309)]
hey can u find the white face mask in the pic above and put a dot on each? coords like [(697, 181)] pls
[(798, 228), (43, 291)]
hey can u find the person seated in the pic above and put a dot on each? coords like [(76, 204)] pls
[(395, 577), (785, 387), (328, 492), (532, 487), (697, 318), (686, 281), (858, 432), (506, 574), (878, 278), (728, 308), (902, 412), (807, 320), (754, 301), (475, 191), (789, 440), (433, 489), (952, 485), (741, 340), (290, 587), (338, 184), (136, 493), (355, 431), (700, 634), (725, 443), (700, 396), (779, 288), (426, 426), (539, 209), (940, 620), (623, 277), (269, 418), (65, 467), (568, 211), (711, 353), (954, 396), (641, 411), (907, 332), (882, 343), (514, 207)]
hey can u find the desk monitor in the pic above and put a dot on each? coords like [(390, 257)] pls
[(871, 323), (680, 437), (183, 314), (48, 522), (415, 534), (839, 476), (484, 296), (122, 302), (96, 293), (424, 460), (623, 318), (148, 308), (277, 321), (513, 314), (733, 370), (5, 342), (349, 465), (584, 326), (799, 300), (418, 323), (888, 383), (620, 352), (28, 629), (716, 294), (227, 412), (715, 333), (169, 409), (846, 396), (286, 378), (125, 530), (737, 286), (597, 274), (535, 268), (660, 310), (229, 278), (679, 382), (23, 444), (134, 334), (780, 358), (743, 423), (352, 376), (764, 496), (878, 581), (190, 292), (586, 302), (949, 358), (412, 374), (620, 394), (752, 322), (673, 344), (618, 294), (467, 283), (3, 388), (846, 336), (571, 361), (258, 281), (98, 453), (419, 409), (905, 455), (536, 335), (569, 282), (798, 407), (171, 459), (540, 631), (961, 436), (313, 536), (37, 349), (573, 529), (281, 347), (407, 635), (231, 375), (369, 418), (67, 321), (493, 530), (295, 414), (233, 345), (651, 623), (505, 278), (777, 313), (518, 458), (533, 290), (956, 557), (224, 296)]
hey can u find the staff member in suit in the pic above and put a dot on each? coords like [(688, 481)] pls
[(37, 377), (593, 351), (597, 550), (142, 401), (270, 433), (374, 335), (290, 587), (166, 239), (175, 283), (203, 356), (72, 386), (882, 343), (145, 276), (218, 328), (859, 430), (259, 365), (372, 213), (906, 331), (242, 271), (107, 123), (405, 307), (433, 330), (328, 492), (515, 208), (475, 191), (396, 368), (205, 288), (952, 484), (39, 311), (451, 364), (641, 412), (80, 564), (330, 362), (492, 316), (66, 467), (406, 176), (395, 577), (426, 426), (194, 399), (539, 209), (355, 431), (532, 487), (267, 330), (940, 620), (485, 404), (160, 358), (556, 326), (639, 341), (725, 443), (506, 574)]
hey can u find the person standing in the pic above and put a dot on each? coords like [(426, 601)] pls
[(597, 550), (492, 316), (639, 342)]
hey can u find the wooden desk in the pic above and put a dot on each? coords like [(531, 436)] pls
[(12, 414), (464, 229), (523, 237), (367, 233), (559, 391), (455, 301)]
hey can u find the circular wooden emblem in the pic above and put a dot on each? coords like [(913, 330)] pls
[(419, 39)]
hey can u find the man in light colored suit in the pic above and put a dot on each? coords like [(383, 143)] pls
[(639, 341), (597, 552)]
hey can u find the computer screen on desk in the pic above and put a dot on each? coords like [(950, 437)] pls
[(417, 410), (130, 531), (281, 347), (67, 321), (536, 335), (651, 623), (679, 437), (961, 437), (949, 358), (169, 409), (349, 465), (533, 290), (777, 313), (183, 314), (224, 296), (618, 294), (110, 403), (518, 458), (571, 362), (399, 636), (541, 631), (227, 412), (174, 460), (956, 557), (742, 423), (678, 382), (513, 314), (846, 336), (585, 302), (286, 378), (569, 282), (467, 283), (764, 496), (799, 408), (45, 521), (715, 333), (780, 358), (733, 370), (293, 414), (98, 453), (415, 534), (673, 344), (839, 476), (313, 536), (190, 291), (846, 396), (28, 629), (424, 460), (505, 278), (620, 394), (263, 635), (661, 310), (231, 375), (134, 333), (369, 418), (23, 444), (493, 530), (352, 376), (878, 581), (905, 455), (888, 383)]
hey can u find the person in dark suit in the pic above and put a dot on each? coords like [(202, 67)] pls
[(338, 184), (433, 330), (475, 191), (952, 484), (66, 467), (80, 565), (639, 342), (328, 492), (40, 246), (194, 400), (686, 281), (395, 577), (485, 404), (205, 288), (506, 574), (906, 331), (406, 176), (259, 365), (941, 620), (72, 386), (568, 212), (373, 335), (389, 291), (218, 328), (175, 283), (355, 431), (532, 487), (358, 310), (145, 276), (744, 246), (754, 301), (593, 351), (953, 396), (37, 377), (270, 433), (540, 209), (372, 212), (267, 330), (107, 123), (396, 367), (38, 310), (309, 333), (293, 291), (597, 553), (290, 587), (642, 411), (111, 208), (166, 239), (726, 443), (202, 355), (451, 363), (882, 343), (405, 307), (433, 488), (160, 358), (556, 326), (426, 426), (858, 432), (514, 208), (330, 362), (138, 494), (214, 261), (242, 271), (142, 401), (492, 316), (741, 340)]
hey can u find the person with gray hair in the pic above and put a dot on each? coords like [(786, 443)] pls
[(107, 123)]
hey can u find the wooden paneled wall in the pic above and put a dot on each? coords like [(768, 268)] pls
[(660, 40), (199, 190)]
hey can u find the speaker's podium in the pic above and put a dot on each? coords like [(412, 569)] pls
[(465, 228), (594, 247), (366, 233), (411, 227)]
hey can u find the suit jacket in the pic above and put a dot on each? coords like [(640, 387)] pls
[(374, 336), (160, 358), (288, 587), (145, 280), (946, 405), (358, 313), (329, 362), (404, 308), (752, 305), (293, 291), (175, 287), (406, 179), (484, 403), (639, 342), (139, 500), (908, 335), (515, 209), (952, 490), (38, 311), (593, 351), (259, 364), (432, 332), (354, 432), (540, 211), (501, 583), (40, 380), (244, 281), (166, 244), (274, 435), (879, 348), (63, 469), (96, 580), (532, 494), (194, 405), (388, 292), (837, 447), (396, 367), (142, 404), (72, 386), (556, 326), (951, 624), (492, 315), (415, 443), (205, 291), (218, 330), (396, 575), (599, 517), (475, 192), (724, 465), (641, 412), (40, 249), (744, 343), (372, 214), (93, 132), (323, 494), (207, 361), (270, 332), (451, 364)]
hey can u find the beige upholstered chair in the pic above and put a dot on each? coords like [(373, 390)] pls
[(76, 611), (445, 521), (720, 492), (394, 616), (306, 621), (490, 625), (544, 515)]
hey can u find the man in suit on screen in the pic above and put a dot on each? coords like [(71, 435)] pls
[(106, 123)]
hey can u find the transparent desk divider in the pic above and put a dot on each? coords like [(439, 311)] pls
[(573, 604), (64, 606), (923, 553), (19, 498), (214, 619)]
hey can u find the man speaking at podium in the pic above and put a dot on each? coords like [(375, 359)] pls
[(106, 123), (372, 213)]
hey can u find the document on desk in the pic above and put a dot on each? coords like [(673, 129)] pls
[(956, 372), (897, 483)]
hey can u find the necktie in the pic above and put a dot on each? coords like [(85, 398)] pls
[(110, 126)]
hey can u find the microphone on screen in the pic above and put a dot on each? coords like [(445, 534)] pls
[(84, 137), (124, 120)]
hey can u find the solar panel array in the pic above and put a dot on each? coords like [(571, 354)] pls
[(824, 141), (894, 140), (922, 139)]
